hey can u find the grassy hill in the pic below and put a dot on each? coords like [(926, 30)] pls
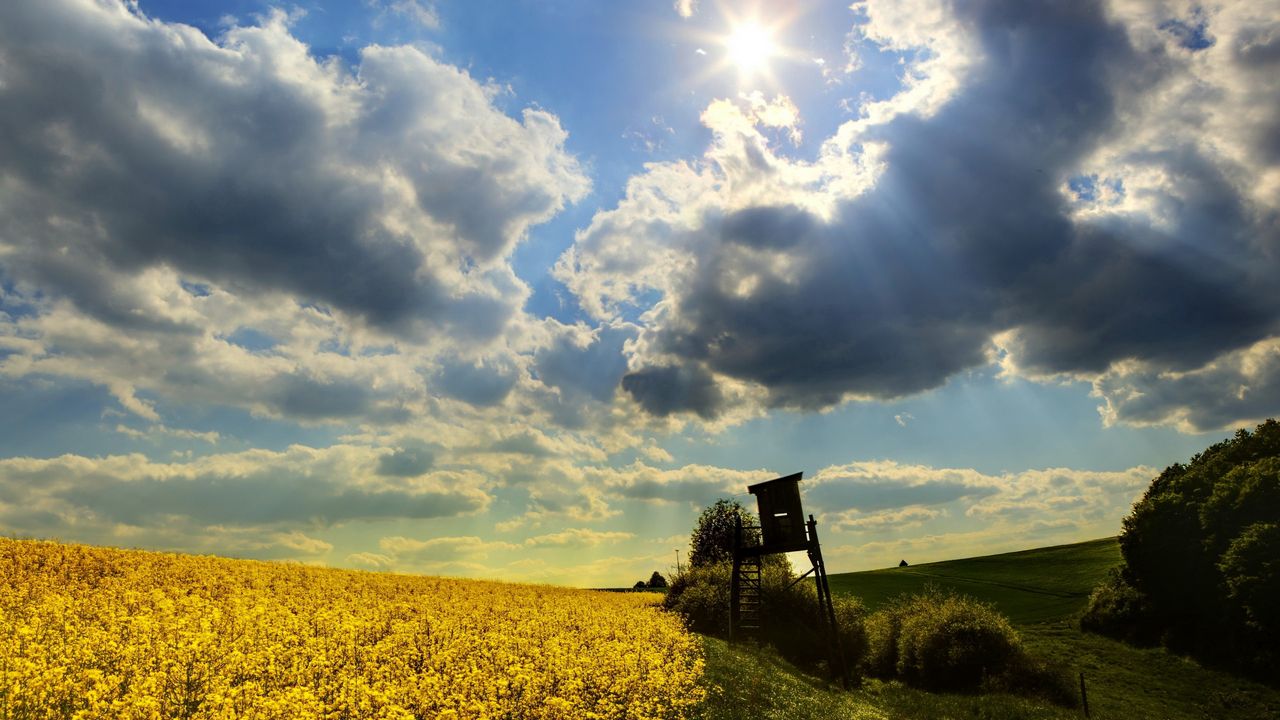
[(1041, 591), (1028, 586)]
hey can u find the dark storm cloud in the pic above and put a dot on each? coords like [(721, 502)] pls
[(768, 227), (672, 389), (967, 234), (129, 144)]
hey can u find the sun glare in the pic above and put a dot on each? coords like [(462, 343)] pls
[(750, 46)]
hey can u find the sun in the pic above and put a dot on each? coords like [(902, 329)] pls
[(750, 46), (751, 38)]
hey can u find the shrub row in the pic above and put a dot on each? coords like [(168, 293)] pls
[(934, 640)]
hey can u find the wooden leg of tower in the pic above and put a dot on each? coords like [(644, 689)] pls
[(839, 671), (735, 582), (735, 599)]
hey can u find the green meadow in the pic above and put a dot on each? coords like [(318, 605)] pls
[(1042, 591), (1030, 586)]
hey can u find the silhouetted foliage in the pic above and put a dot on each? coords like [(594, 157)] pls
[(712, 540), (1118, 610), (639, 585), (656, 580), (1251, 569), (1200, 556)]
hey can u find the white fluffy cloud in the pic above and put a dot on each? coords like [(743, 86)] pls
[(885, 499), (238, 221)]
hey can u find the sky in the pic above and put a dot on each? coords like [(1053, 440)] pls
[(514, 289)]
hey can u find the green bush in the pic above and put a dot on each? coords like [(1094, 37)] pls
[(883, 628), (701, 595), (851, 622), (1117, 609), (941, 642), (954, 643)]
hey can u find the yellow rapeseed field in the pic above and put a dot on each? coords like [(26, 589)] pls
[(89, 632)]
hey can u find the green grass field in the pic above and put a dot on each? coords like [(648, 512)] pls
[(1028, 586), (1042, 591)]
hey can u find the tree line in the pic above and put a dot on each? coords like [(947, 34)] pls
[(1201, 559)]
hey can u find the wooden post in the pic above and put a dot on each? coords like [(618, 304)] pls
[(1084, 695), (734, 593), (826, 607)]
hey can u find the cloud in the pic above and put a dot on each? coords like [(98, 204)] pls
[(886, 498), (699, 484), (478, 383), (685, 8), (886, 520), (577, 538), (886, 485), (301, 377), (410, 460), (667, 390), (468, 553), (1071, 190), (441, 549), (299, 542), (300, 486), (579, 361), (158, 431), (653, 137), (239, 221), (1029, 508), (422, 13), (376, 561), (320, 192), (1236, 389)]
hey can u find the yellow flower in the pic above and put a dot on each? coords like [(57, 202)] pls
[(101, 633)]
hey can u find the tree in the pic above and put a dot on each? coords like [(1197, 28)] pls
[(656, 580), (1251, 569), (639, 585), (712, 540), (1199, 552)]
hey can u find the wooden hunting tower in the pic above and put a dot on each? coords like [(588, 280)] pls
[(781, 516), (782, 530)]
